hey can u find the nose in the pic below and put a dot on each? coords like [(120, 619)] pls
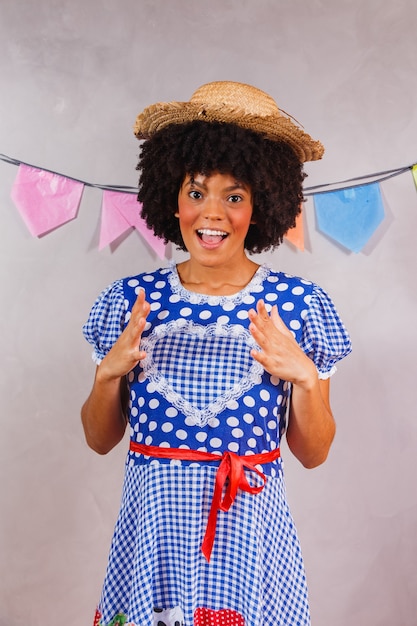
[(213, 209)]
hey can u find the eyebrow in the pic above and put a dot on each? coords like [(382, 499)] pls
[(236, 185)]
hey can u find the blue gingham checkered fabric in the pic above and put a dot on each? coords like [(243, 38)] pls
[(256, 550)]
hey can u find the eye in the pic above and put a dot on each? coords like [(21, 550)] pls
[(235, 198), (195, 195)]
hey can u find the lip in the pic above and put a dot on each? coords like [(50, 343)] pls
[(213, 232)]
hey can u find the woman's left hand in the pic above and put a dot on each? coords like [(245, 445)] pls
[(279, 352)]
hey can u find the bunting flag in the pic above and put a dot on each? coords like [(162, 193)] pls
[(120, 212), (296, 235), (350, 216), (45, 200)]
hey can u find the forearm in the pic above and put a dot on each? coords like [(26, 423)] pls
[(311, 426), (103, 414)]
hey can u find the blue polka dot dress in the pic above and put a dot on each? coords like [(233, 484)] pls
[(199, 389)]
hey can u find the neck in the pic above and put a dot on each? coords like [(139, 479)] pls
[(216, 280)]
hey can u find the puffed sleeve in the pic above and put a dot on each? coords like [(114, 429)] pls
[(325, 339), (105, 322)]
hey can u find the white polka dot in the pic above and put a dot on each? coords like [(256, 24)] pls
[(248, 417), (147, 326), (155, 306), (134, 411), (279, 399), (148, 440), (213, 422), (175, 462), (167, 427), (249, 299), (148, 278), (232, 422), (171, 412), (282, 287), (181, 434), (232, 405), (297, 291), (128, 315), (288, 306), (185, 311), (155, 295), (265, 395), (272, 424), (228, 306), (271, 297), (133, 282), (150, 388), (242, 315), (237, 432), (184, 446), (258, 431), (201, 436), (143, 418), (141, 401), (164, 444), (205, 315), (160, 284), (223, 320), (154, 462), (152, 426), (153, 403), (307, 298), (162, 315), (131, 377), (263, 411), (295, 324), (252, 443), (233, 446), (174, 298), (303, 314), (272, 279), (215, 442), (248, 401)]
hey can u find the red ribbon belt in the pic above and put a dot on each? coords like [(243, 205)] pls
[(232, 467)]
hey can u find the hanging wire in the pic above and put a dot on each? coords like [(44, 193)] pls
[(376, 177)]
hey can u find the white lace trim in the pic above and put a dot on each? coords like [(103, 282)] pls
[(198, 416), (201, 298)]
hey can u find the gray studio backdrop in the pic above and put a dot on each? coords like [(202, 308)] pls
[(73, 76)]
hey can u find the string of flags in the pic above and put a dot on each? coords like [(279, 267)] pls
[(349, 211)]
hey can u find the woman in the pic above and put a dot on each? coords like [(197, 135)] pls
[(207, 361)]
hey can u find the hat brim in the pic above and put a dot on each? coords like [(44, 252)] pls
[(274, 127)]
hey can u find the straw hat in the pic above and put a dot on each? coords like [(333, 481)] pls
[(235, 103)]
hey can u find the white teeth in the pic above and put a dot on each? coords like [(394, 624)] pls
[(213, 233)]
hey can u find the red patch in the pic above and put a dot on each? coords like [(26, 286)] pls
[(224, 617), (97, 618)]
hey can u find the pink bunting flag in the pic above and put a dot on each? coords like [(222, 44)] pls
[(45, 200), (121, 211)]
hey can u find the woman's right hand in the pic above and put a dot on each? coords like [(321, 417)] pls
[(125, 353)]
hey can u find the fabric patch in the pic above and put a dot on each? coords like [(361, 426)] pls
[(224, 617), (168, 617)]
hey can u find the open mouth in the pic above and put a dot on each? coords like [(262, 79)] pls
[(210, 236)]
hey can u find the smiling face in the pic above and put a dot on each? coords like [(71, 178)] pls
[(214, 213)]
